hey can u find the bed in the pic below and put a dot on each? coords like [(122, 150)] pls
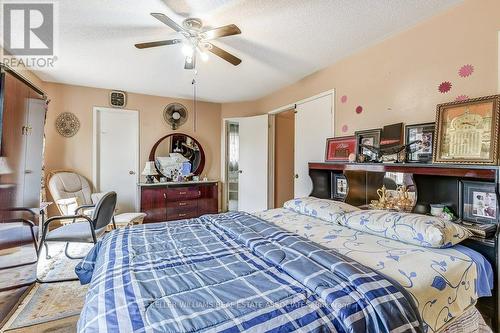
[(275, 271)]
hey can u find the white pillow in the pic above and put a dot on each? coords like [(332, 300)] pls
[(422, 230), (324, 209)]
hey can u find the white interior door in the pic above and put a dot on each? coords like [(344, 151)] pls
[(34, 152), (116, 155), (313, 124), (253, 163)]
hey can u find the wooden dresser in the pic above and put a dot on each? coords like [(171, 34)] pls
[(176, 201)]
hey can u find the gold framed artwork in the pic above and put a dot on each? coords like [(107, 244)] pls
[(467, 131)]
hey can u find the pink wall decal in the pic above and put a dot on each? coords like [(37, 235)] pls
[(343, 99), (444, 87), (345, 128), (466, 70), (359, 109), (461, 98)]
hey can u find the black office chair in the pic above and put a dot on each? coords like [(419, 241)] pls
[(87, 231)]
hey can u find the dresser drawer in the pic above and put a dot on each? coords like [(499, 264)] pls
[(183, 193), (183, 204), (180, 214)]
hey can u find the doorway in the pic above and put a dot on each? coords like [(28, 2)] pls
[(116, 155), (232, 158), (246, 163), (284, 138)]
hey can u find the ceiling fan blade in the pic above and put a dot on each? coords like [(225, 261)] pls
[(168, 21), (158, 43), (227, 30), (224, 54), (190, 64)]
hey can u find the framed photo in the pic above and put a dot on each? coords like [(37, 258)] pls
[(339, 186), (367, 137), (338, 149), (392, 136), (479, 202), (423, 151), (467, 132)]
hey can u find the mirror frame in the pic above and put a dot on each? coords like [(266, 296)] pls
[(200, 167)]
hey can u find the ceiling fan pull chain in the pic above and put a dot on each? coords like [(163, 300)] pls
[(194, 100)]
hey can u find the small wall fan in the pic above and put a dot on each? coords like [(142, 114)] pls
[(175, 114)]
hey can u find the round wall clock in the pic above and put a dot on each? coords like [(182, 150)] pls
[(67, 124)]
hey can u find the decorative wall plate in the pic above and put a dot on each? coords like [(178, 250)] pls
[(67, 124)]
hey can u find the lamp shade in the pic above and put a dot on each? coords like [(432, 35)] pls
[(149, 169), (4, 166)]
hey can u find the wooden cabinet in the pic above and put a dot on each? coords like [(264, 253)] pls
[(177, 201), (22, 119)]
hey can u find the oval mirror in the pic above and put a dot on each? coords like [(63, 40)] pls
[(178, 154)]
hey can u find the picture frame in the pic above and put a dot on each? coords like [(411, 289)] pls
[(424, 132), (338, 149), (392, 135), (467, 131), (369, 137), (478, 202), (340, 188)]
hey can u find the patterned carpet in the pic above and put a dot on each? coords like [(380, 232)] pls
[(49, 302), (52, 307)]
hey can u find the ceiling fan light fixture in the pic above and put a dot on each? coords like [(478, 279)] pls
[(204, 56), (189, 59), (187, 50)]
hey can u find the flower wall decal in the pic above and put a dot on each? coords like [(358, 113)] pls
[(444, 87), (343, 99), (345, 128), (359, 109), (461, 98), (466, 70)]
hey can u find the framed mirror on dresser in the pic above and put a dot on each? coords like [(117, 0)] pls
[(178, 192), (470, 193)]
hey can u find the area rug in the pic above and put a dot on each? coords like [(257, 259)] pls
[(66, 325), (49, 302), (58, 266)]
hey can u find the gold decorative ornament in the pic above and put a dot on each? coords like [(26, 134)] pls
[(67, 124)]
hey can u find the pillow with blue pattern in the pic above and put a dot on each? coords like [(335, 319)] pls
[(422, 230), (327, 210)]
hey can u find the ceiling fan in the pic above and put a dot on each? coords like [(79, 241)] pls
[(196, 40)]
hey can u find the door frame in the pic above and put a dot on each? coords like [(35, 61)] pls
[(224, 173), (284, 108), (95, 111)]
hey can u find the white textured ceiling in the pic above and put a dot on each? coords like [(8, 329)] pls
[(281, 42)]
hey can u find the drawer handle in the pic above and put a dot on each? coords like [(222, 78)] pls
[(182, 215), (182, 193), (165, 195), (182, 203)]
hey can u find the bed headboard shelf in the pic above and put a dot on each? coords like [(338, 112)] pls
[(435, 183)]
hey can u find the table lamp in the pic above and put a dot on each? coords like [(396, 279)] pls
[(149, 171)]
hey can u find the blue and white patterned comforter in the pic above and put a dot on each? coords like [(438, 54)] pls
[(233, 273), (443, 282)]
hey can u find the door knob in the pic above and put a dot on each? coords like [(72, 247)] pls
[(131, 172), (297, 175), (240, 171)]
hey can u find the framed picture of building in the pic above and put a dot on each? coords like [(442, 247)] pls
[(338, 149), (467, 131)]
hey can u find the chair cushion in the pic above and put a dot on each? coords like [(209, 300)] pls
[(63, 185), (74, 232)]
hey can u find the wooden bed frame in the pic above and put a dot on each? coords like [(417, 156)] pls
[(435, 183)]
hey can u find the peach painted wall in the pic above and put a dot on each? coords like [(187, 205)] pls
[(76, 152), (397, 80)]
